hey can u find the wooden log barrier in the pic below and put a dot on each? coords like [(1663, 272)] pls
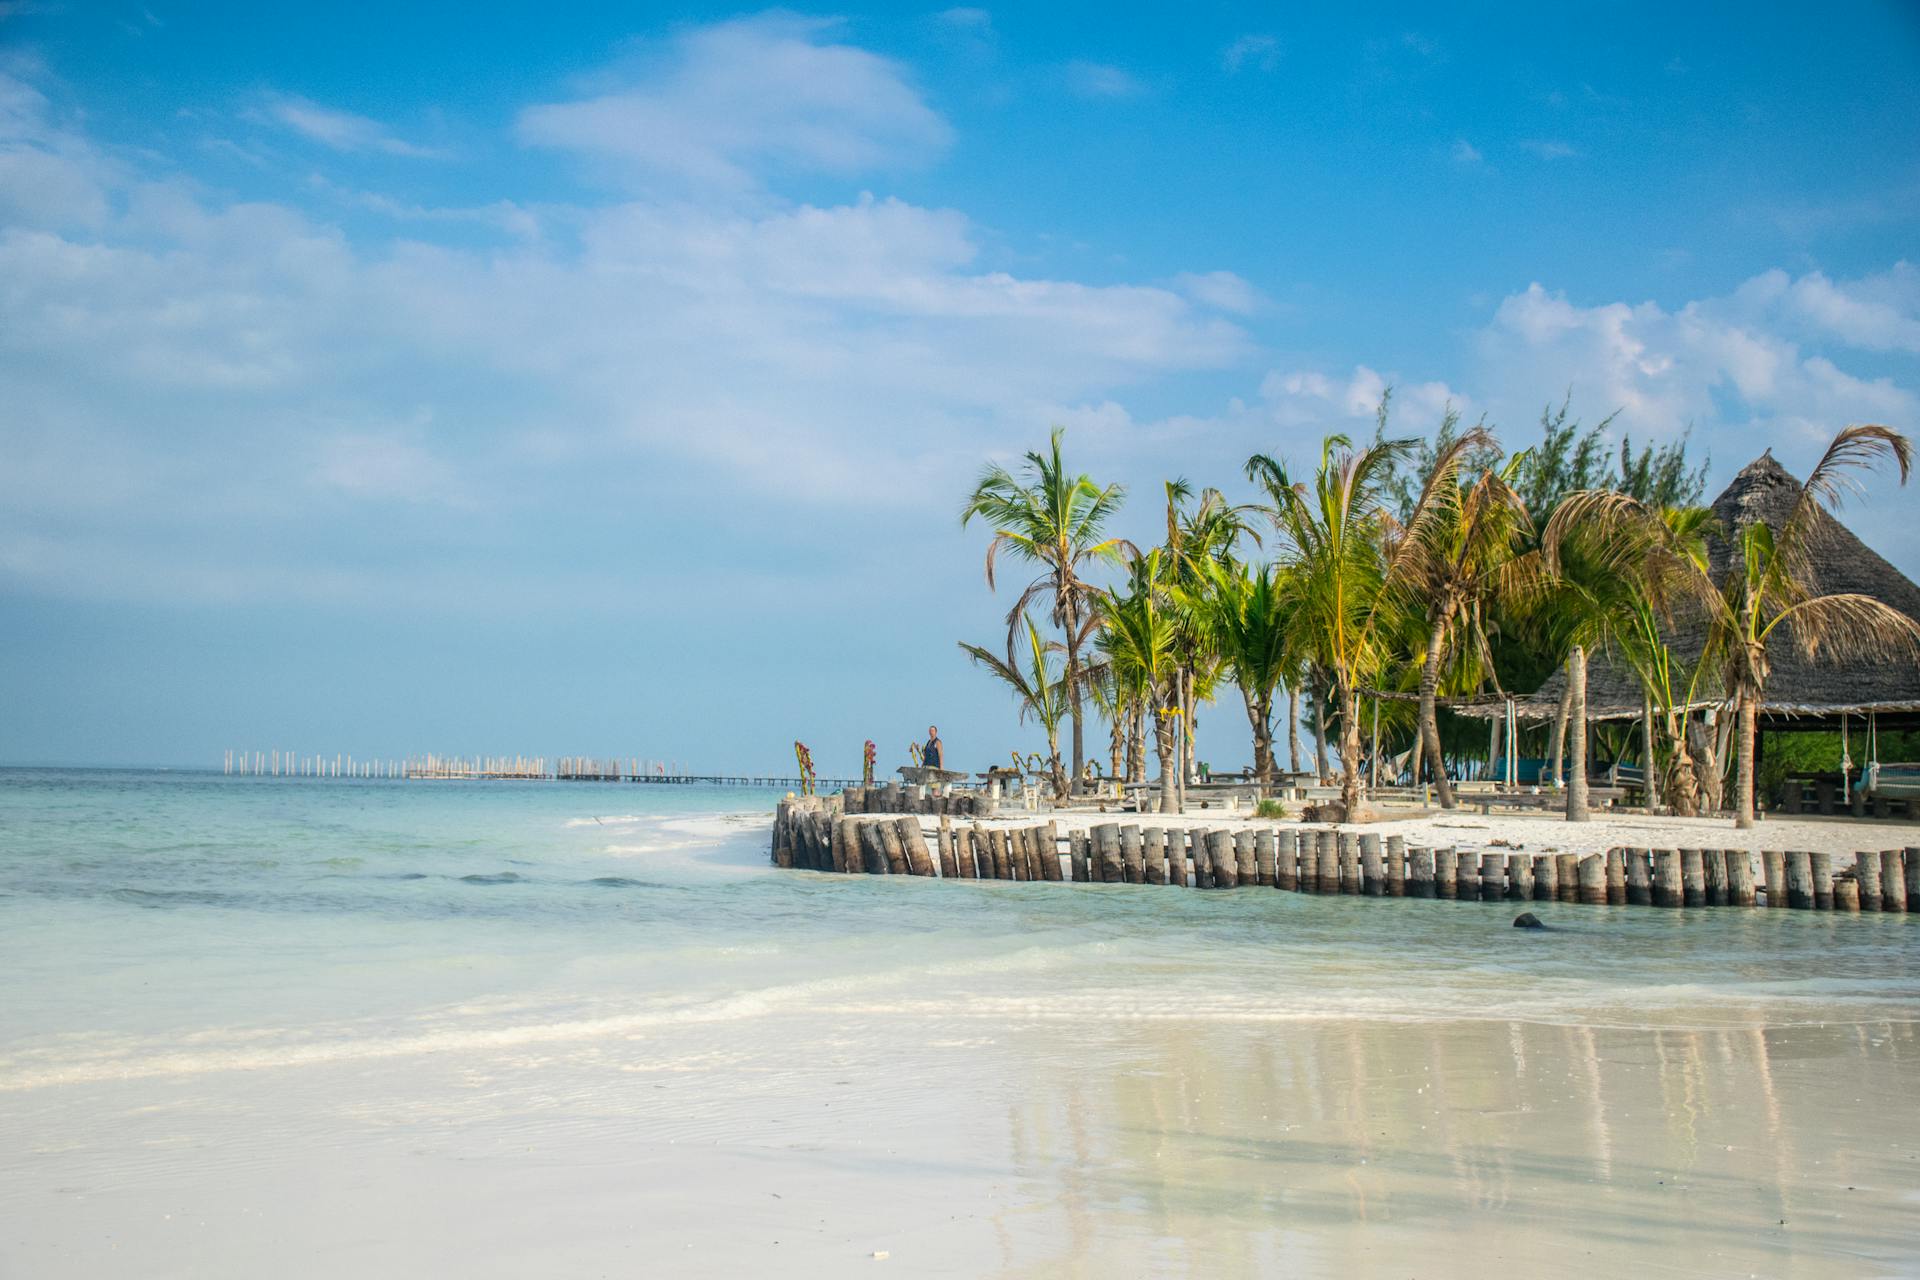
[(1912, 877), (1519, 878), (1420, 873), (1373, 866), (895, 850), (1893, 883), (919, 858), (1846, 894), (1773, 862), (847, 855), (1226, 872), (1639, 877), (1309, 874), (1351, 881), (1077, 843), (1546, 878), (1693, 878), (1396, 856), (1821, 867), (1177, 863), (1197, 851), (1266, 858), (1133, 865), (873, 851), (1799, 880), (1493, 877), (1667, 889), (1446, 873), (1286, 867), (1050, 852), (1715, 863), (949, 859), (1106, 853), (1467, 878), (1866, 871), (783, 834), (1329, 861), (1740, 878), (1566, 876), (1592, 876), (1617, 877), (1246, 861), (963, 862), (1153, 849)]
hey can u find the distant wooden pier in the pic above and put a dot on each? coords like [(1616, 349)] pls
[(288, 764)]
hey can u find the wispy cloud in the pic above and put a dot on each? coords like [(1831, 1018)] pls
[(1550, 148), (1255, 52), (717, 103), (1102, 80), (1465, 152), (339, 130)]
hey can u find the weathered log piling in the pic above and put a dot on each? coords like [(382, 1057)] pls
[(864, 831)]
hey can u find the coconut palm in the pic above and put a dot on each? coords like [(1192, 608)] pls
[(1249, 627), (1197, 542), (1050, 518), (1346, 581), (1041, 688), (1139, 641)]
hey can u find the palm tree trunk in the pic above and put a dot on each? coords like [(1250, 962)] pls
[(1430, 718), (1577, 725), (1350, 785), (1188, 752), (1646, 748), (1709, 769), (1260, 718), (1743, 783), (1319, 733), (1137, 743), (1117, 742), (1073, 698), (1169, 761), (1419, 756), (1293, 728), (1055, 773), (1559, 753)]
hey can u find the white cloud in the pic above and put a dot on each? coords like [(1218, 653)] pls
[(1465, 152), (1101, 80), (339, 130), (1551, 148), (1220, 289), (719, 102), (1258, 52)]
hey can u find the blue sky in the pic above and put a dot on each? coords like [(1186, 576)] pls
[(553, 379)]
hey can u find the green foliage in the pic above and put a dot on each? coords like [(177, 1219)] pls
[(1272, 807)]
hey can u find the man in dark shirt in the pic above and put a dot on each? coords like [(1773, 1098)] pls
[(931, 755)]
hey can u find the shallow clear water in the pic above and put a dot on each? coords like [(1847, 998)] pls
[(388, 1027)]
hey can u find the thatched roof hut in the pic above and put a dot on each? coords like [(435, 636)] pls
[(1798, 686)]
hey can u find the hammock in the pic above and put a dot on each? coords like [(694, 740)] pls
[(1894, 781)]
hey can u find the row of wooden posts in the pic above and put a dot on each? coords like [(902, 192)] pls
[(898, 797), (816, 833)]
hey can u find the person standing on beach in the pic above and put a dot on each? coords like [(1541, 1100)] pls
[(931, 755)]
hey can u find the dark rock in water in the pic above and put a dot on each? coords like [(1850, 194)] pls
[(505, 877), (1527, 920)]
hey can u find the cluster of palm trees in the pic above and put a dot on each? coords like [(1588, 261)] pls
[(1398, 574)]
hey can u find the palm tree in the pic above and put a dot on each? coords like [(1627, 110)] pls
[(1249, 625), (1769, 586), (1197, 542), (1345, 582), (1041, 689), (1140, 638), (1472, 548), (1058, 522)]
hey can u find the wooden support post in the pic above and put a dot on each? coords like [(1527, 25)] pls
[(1226, 872), (1077, 847), (1132, 856), (1446, 874), (1693, 878), (1047, 841), (1106, 851), (1329, 861), (1714, 864), (919, 860), (1546, 878), (1350, 881), (1799, 880), (1667, 888), (1246, 863), (1592, 875), (964, 865), (1639, 878), (1617, 877), (1912, 859), (1566, 867), (1846, 894), (873, 850), (1177, 862), (1467, 877), (1493, 877), (1308, 880), (847, 858), (1396, 856), (1286, 868), (1519, 877), (1154, 852), (1821, 865), (1740, 878), (783, 834), (1017, 855), (1893, 883), (1773, 863), (1265, 858), (1373, 866), (1002, 856), (1419, 873), (1866, 870), (1202, 861), (949, 859)]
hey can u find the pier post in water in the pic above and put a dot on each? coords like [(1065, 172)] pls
[(1106, 853), (1774, 863), (1846, 894), (1617, 877), (1893, 883), (1740, 878), (1821, 866), (1667, 890), (1202, 863), (1866, 870), (949, 860), (1265, 858), (1546, 878), (1446, 873), (1419, 873), (1226, 873), (1493, 877), (1177, 864), (1913, 878), (1286, 869), (1133, 855), (1693, 878), (1246, 863), (1639, 879), (1593, 880), (1373, 866), (1329, 842), (1077, 855), (1050, 851), (1519, 878), (1467, 878), (1799, 880), (873, 850), (1350, 882), (1715, 861), (1566, 876), (1153, 850), (896, 848), (919, 859), (1309, 874), (1396, 856), (846, 846)]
